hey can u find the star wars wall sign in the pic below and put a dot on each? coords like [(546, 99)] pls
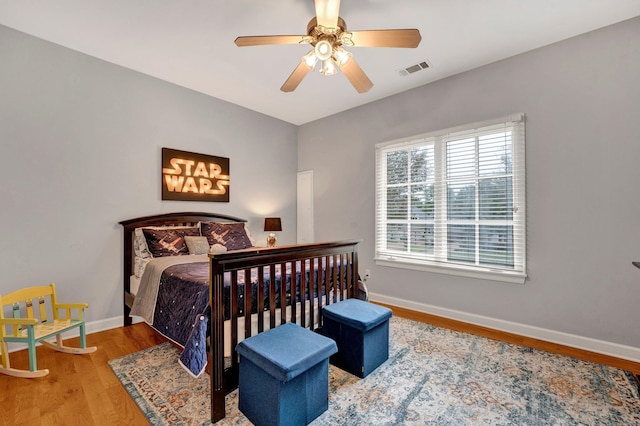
[(187, 176)]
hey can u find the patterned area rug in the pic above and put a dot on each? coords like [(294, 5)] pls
[(434, 376)]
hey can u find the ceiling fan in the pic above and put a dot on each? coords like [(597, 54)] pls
[(327, 34)]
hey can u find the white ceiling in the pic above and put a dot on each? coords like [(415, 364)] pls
[(190, 42)]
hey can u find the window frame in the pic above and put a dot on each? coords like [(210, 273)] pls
[(437, 262)]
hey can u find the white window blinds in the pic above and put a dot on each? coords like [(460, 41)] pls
[(454, 200)]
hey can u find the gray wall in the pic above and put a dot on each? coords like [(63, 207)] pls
[(80, 148), (582, 102)]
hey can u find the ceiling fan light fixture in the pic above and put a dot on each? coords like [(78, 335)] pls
[(328, 67), (310, 59), (341, 56), (323, 50)]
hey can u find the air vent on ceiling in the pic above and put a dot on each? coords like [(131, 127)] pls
[(413, 68)]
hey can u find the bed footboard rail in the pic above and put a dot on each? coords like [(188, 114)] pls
[(319, 274)]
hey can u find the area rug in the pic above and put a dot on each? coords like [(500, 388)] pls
[(434, 376)]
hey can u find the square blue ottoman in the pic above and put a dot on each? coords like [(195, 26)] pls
[(284, 376), (361, 330)]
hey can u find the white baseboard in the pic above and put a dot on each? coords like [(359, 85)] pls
[(599, 346), (90, 327)]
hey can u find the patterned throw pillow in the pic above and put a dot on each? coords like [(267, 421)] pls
[(232, 235), (140, 245), (169, 242), (197, 245)]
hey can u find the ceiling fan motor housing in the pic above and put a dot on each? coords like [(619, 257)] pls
[(315, 30)]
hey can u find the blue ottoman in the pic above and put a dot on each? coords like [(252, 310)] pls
[(361, 330), (284, 376)]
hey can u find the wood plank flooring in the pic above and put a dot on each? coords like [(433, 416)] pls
[(82, 389)]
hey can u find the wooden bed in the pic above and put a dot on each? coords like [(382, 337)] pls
[(327, 284)]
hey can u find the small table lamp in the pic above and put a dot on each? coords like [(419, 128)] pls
[(271, 225)]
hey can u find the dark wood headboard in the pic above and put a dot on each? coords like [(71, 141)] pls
[(164, 219)]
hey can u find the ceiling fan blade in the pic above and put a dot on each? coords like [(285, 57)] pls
[(296, 77), (263, 40), (356, 76), (327, 12), (386, 38)]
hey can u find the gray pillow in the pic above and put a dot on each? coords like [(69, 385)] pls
[(197, 245)]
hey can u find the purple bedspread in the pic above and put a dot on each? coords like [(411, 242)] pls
[(183, 296), (181, 312)]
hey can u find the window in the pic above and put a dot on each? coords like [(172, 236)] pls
[(453, 201)]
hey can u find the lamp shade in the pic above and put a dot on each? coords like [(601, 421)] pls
[(272, 224)]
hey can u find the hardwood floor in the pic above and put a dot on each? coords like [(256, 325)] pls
[(82, 389)]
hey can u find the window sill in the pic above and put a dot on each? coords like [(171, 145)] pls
[(459, 270)]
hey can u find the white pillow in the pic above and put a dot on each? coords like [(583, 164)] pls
[(217, 248)]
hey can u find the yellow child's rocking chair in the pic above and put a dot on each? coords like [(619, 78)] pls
[(30, 326)]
